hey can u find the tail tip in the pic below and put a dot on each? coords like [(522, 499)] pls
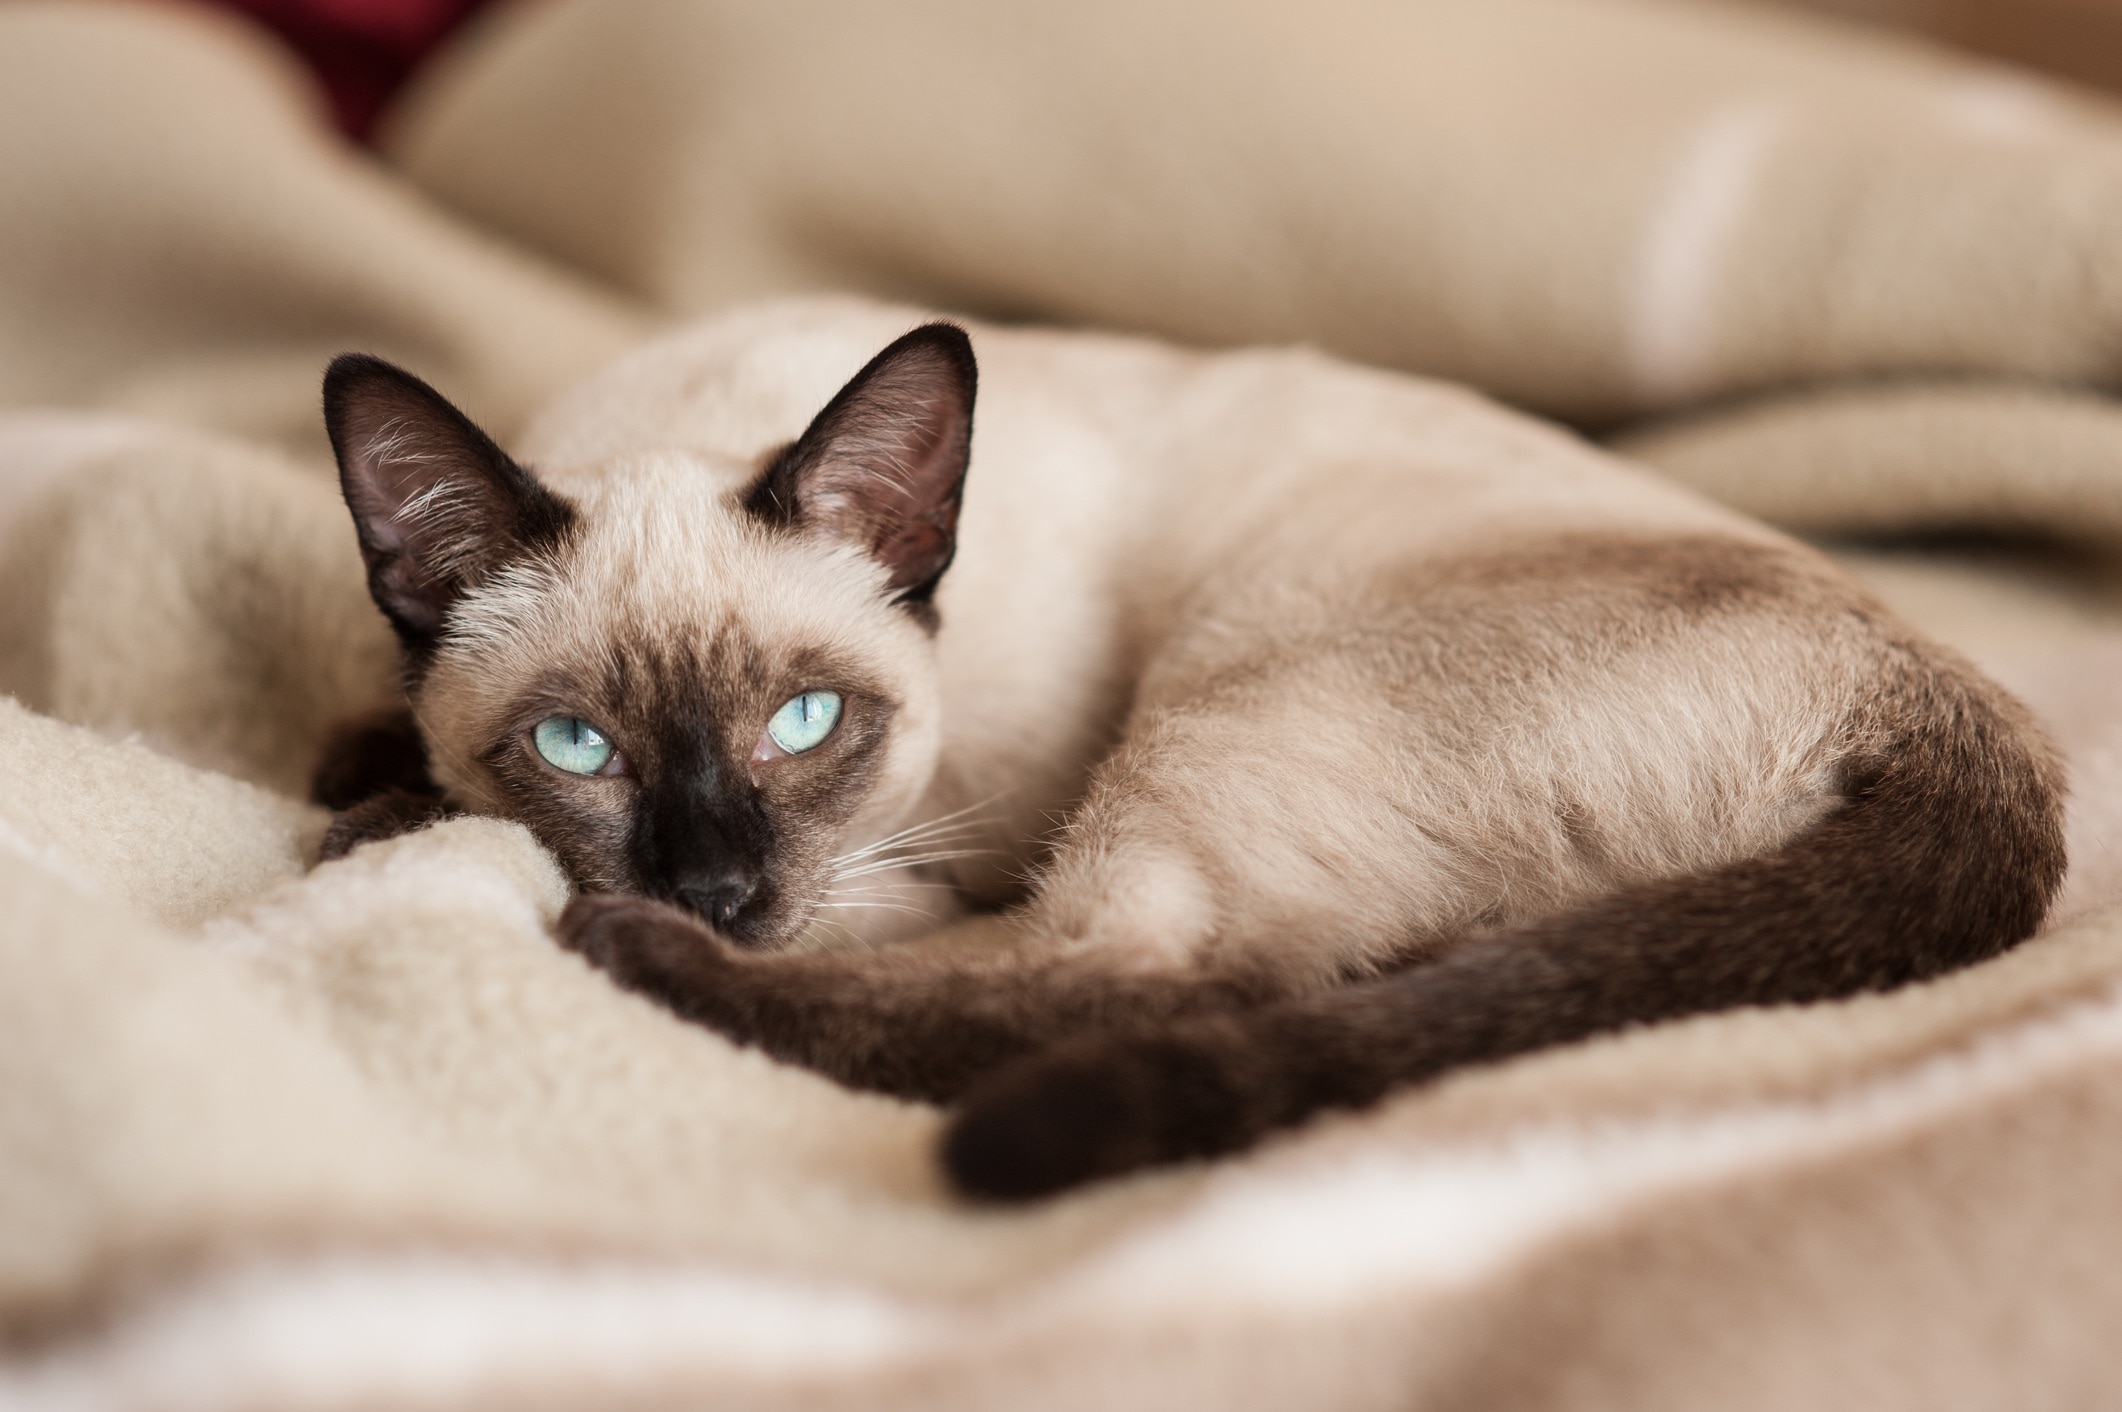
[(1044, 1126)]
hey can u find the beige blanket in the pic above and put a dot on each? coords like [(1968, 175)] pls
[(362, 1137)]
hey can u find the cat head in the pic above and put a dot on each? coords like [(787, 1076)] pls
[(689, 678)]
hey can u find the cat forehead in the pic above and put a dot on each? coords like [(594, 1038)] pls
[(665, 564), (636, 485)]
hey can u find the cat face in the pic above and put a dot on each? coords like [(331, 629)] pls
[(689, 678)]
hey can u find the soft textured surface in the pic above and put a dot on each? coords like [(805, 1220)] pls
[(1591, 208), (362, 1136)]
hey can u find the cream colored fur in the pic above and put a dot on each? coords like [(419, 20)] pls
[(1224, 559)]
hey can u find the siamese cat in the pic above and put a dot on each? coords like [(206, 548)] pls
[(1243, 735)]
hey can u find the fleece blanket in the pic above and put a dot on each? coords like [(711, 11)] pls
[(274, 1136), (2079, 38)]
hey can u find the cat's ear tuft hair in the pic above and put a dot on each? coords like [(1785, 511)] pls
[(883, 466), (437, 505)]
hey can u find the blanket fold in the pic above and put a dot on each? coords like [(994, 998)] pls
[(1589, 207), (181, 237), (1909, 459)]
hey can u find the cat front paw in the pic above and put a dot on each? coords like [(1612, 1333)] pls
[(645, 946)]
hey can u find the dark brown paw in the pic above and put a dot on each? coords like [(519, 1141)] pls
[(643, 945), (1097, 1110), (385, 816)]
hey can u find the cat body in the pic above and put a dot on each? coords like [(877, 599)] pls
[(1142, 527), (1252, 731)]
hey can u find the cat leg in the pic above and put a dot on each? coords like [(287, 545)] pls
[(918, 1020)]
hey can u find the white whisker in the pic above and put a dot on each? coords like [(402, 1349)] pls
[(929, 831), (911, 882), (886, 906), (809, 942), (911, 845), (886, 865)]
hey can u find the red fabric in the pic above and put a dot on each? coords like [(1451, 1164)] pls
[(361, 50)]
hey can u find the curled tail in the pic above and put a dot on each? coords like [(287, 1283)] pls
[(1947, 851)]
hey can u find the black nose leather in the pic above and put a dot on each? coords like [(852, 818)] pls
[(719, 900)]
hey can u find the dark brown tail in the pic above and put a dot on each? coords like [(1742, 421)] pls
[(1948, 851)]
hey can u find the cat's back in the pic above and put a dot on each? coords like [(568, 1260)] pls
[(1142, 446), (752, 378)]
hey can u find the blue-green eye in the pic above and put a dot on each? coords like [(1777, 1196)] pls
[(572, 744), (805, 721)]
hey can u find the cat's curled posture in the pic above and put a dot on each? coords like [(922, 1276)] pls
[(1269, 732)]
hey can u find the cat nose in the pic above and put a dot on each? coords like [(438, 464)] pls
[(719, 899)]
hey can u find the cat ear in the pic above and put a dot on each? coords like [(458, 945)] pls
[(883, 466), (437, 505)]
